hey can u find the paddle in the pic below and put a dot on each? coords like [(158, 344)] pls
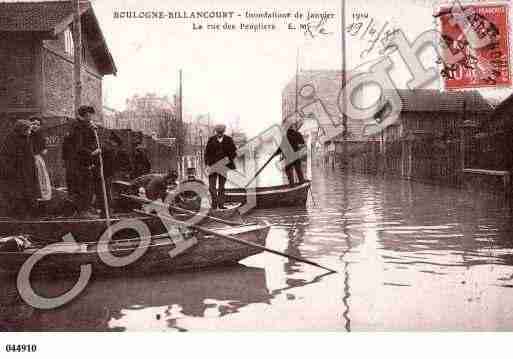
[(261, 169), (178, 209), (233, 239)]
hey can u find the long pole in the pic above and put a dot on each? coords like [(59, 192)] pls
[(343, 80), (233, 239), (104, 187), (77, 66), (181, 134), (297, 83), (180, 94), (167, 206)]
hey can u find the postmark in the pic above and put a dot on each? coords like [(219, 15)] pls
[(474, 45)]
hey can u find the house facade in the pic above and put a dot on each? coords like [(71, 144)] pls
[(429, 141), (37, 60)]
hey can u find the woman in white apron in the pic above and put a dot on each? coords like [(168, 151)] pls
[(39, 149)]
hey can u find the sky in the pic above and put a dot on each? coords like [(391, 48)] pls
[(230, 75), (239, 74)]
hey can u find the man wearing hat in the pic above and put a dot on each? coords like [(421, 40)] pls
[(295, 139), (84, 156), (218, 148)]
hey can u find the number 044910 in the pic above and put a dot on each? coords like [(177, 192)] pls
[(21, 348)]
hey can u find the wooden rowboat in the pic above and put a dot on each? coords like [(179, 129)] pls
[(127, 198), (230, 212), (82, 229), (89, 229), (272, 197), (193, 250)]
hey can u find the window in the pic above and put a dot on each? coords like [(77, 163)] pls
[(69, 46)]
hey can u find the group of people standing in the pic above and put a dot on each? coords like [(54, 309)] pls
[(24, 178), (25, 183)]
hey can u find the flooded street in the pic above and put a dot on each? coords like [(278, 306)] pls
[(410, 256)]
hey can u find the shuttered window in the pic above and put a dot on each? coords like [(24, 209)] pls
[(69, 46)]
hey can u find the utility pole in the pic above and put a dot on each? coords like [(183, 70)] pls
[(77, 40), (297, 83), (180, 113), (343, 81)]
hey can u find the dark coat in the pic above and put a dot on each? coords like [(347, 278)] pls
[(84, 143), (68, 157), (38, 142), (295, 139), (67, 151), (110, 157), (216, 151), (141, 164), (18, 168)]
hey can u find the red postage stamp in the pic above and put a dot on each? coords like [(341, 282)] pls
[(474, 45)]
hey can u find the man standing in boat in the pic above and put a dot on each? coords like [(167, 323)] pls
[(292, 148), (141, 163), (219, 147), (84, 157)]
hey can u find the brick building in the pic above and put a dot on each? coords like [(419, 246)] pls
[(36, 61)]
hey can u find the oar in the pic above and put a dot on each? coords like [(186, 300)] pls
[(233, 239), (215, 219), (261, 169), (178, 209)]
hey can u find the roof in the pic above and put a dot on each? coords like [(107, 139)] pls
[(50, 18), (35, 16), (504, 105), (429, 100)]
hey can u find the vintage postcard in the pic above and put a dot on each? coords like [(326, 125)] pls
[(280, 165)]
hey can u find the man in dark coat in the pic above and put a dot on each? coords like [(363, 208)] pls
[(218, 148), (84, 156), (297, 143), (18, 172), (141, 164)]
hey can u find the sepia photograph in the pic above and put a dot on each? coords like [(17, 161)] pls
[(270, 166)]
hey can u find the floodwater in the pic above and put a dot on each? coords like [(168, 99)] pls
[(409, 256)]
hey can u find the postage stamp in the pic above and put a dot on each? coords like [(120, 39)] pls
[(474, 45)]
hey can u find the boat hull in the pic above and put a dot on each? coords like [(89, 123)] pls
[(272, 197), (204, 251), (82, 230)]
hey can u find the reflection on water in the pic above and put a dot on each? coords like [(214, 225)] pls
[(409, 256)]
